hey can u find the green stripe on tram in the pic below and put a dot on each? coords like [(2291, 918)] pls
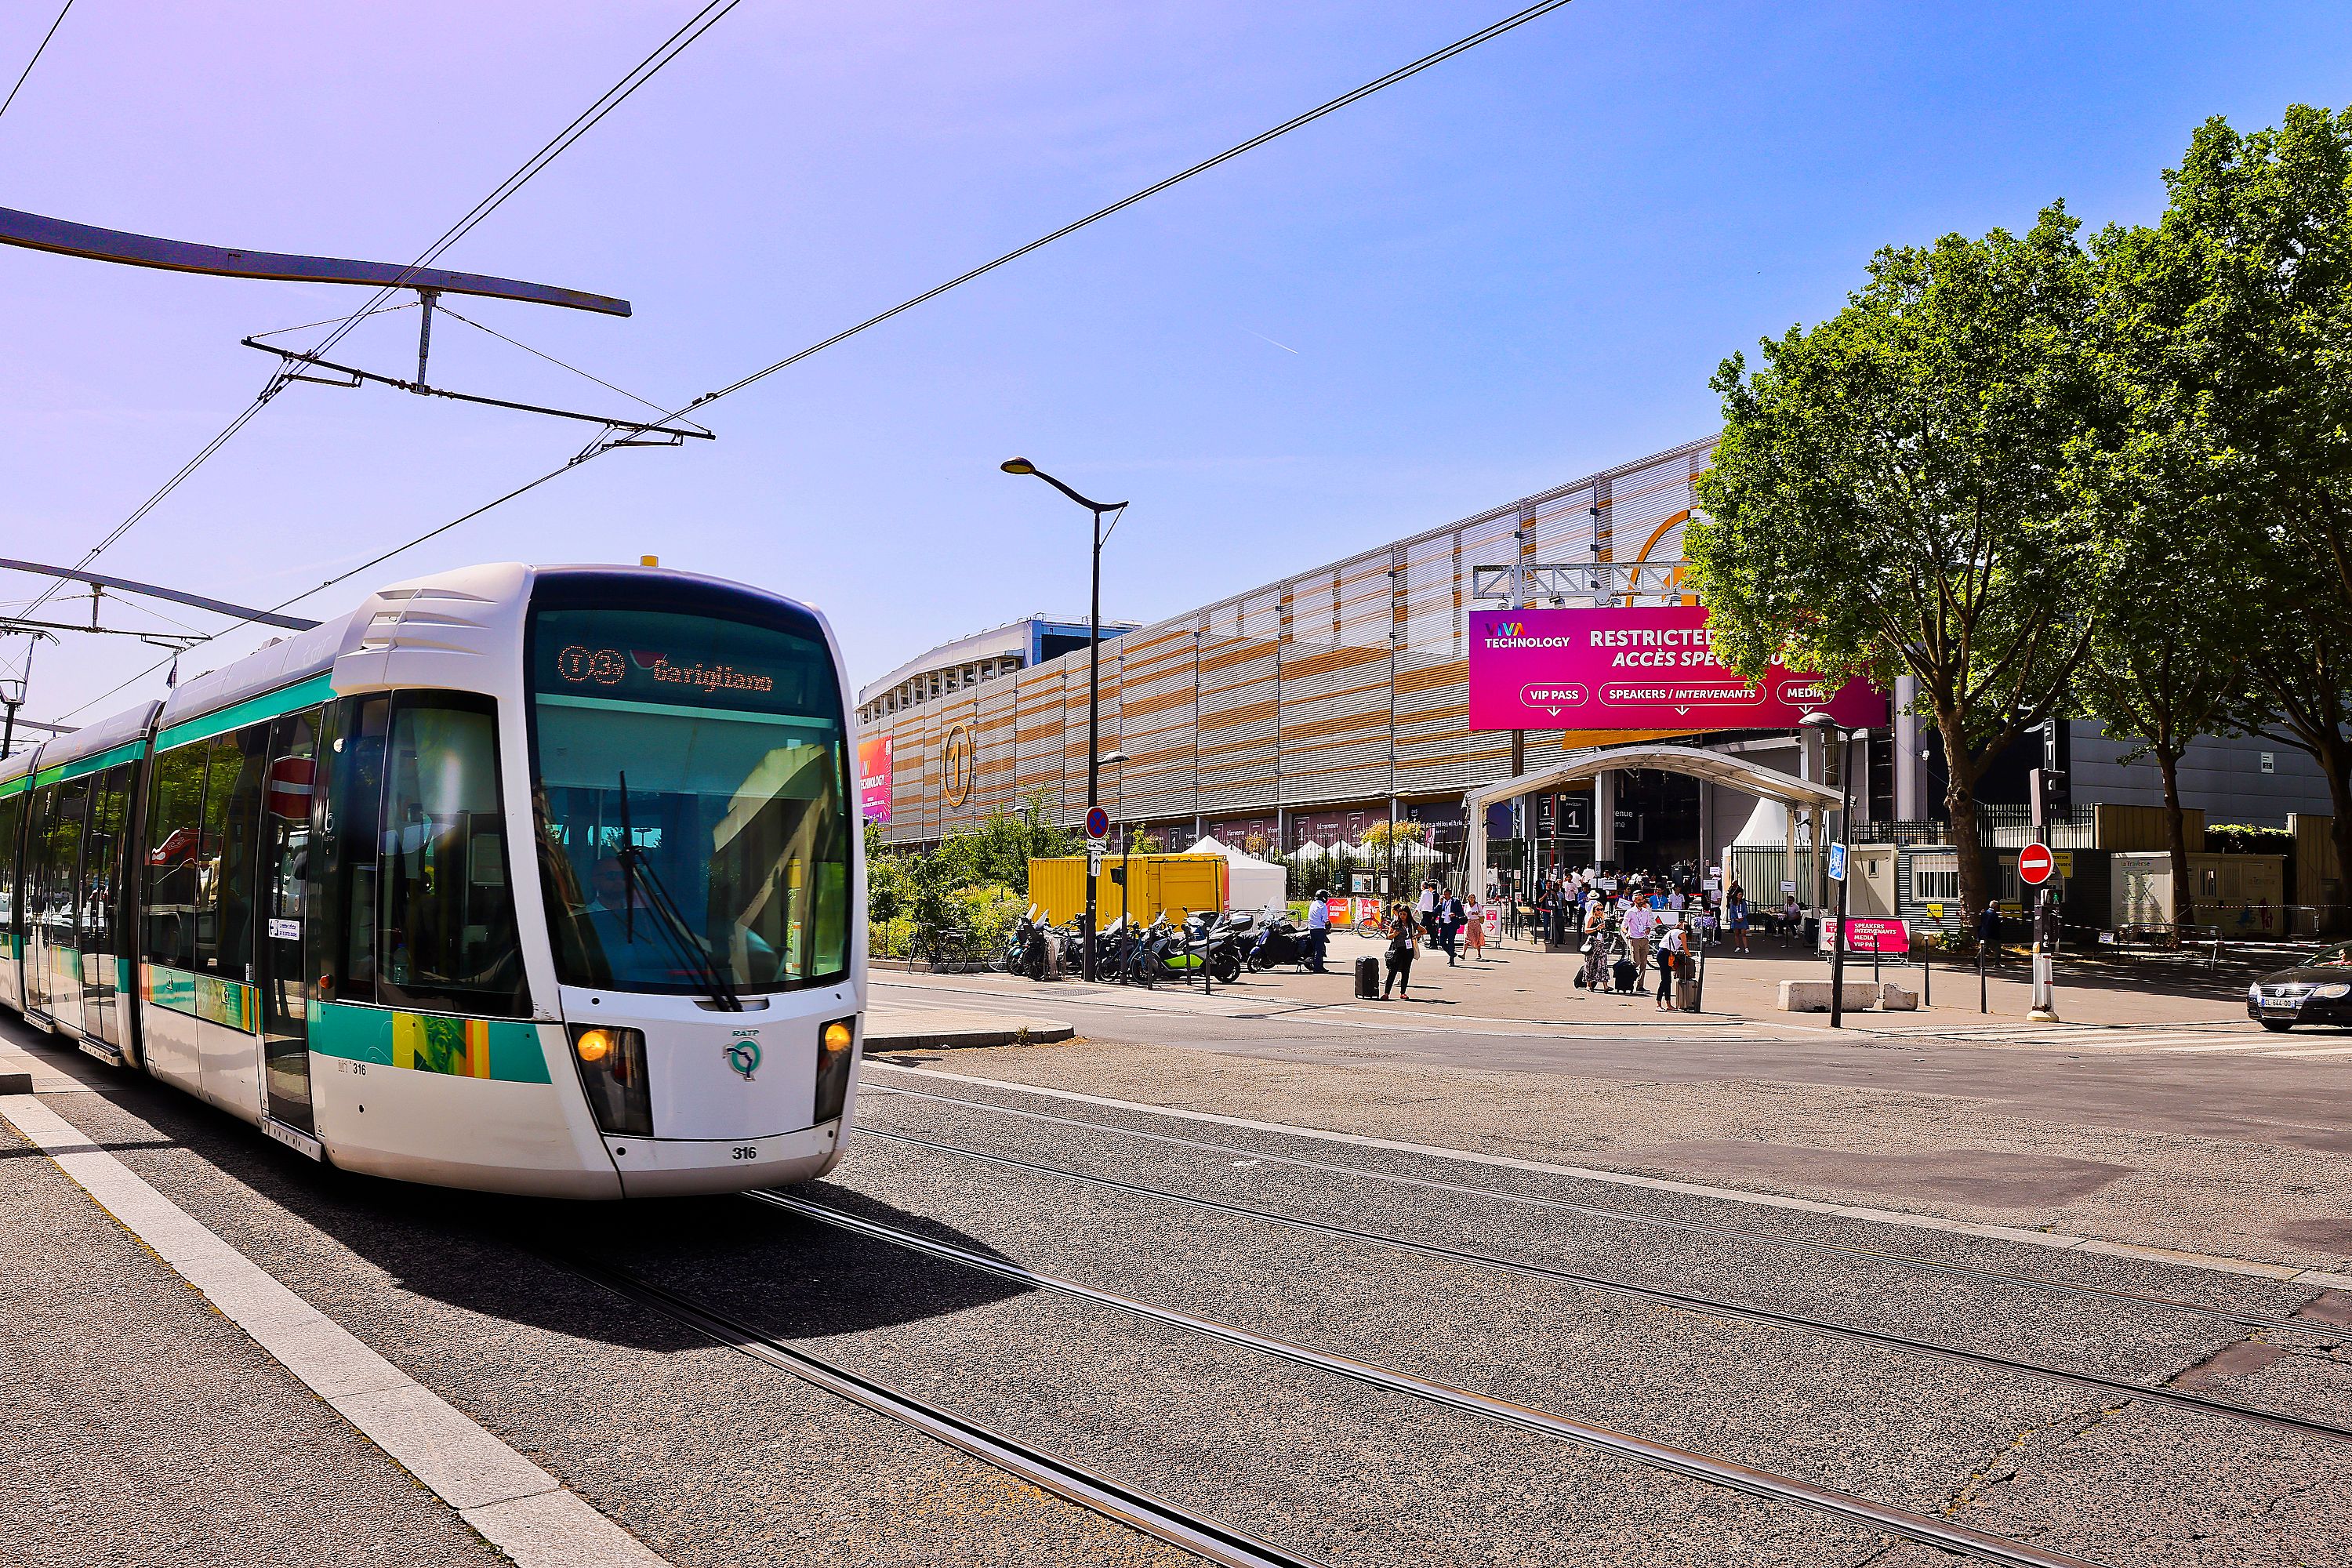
[(230, 1002), (129, 751), (308, 693), (429, 1042)]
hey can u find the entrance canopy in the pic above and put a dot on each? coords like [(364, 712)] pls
[(1574, 767)]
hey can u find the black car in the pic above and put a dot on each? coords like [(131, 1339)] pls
[(2316, 991)]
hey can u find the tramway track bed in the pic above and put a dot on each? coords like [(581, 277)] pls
[(1588, 1220), (2169, 1478), (1326, 1466)]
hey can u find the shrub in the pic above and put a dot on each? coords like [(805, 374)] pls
[(2244, 838)]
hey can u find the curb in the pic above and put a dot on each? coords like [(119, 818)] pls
[(1037, 1032)]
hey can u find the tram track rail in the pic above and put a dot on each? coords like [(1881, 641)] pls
[(1204, 1537), (2122, 1388), (1942, 1534), (1629, 1216)]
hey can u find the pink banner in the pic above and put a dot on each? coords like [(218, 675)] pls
[(874, 779), (1643, 668), (1869, 936)]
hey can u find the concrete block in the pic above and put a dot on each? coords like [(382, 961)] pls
[(1813, 997), (1898, 998)]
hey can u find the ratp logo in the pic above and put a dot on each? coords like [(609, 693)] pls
[(744, 1055)]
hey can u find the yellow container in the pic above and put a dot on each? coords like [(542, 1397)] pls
[(1180, 884)]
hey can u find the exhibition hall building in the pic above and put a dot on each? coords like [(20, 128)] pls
[(1534, 686)]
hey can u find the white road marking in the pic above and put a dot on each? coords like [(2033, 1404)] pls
[(2215, 1263), (518, 1506)]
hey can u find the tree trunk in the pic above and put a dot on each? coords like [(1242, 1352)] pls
[(2176, 843), (1961, 802), (2338, 765)]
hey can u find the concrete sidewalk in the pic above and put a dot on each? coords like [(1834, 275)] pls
[(1516, 984)]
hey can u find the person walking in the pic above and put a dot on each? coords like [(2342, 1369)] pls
[(1672, 947), (1318, 931), (1988, 933), (1427, 908), (1449, 923), (1476, 932), (1640, 921), (1735, 908), (1399, 954)]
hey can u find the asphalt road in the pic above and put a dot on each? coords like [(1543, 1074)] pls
[(2204, 1151), (710, 1456)]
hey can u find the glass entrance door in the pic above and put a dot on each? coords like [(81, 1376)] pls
[(283, 864)]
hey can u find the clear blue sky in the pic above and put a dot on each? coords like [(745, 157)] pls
[(1516, 268)]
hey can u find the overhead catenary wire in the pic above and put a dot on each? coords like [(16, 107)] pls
[(38, 50), (612, 97), (1437, 56)]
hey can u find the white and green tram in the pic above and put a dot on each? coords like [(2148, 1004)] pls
[(527, 880)]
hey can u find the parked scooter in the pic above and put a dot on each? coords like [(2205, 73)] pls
[(1027, 949), (1281, 941)]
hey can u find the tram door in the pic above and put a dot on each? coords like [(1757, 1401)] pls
[(99, 928), (284, 863), (58, 961), (35, 895)]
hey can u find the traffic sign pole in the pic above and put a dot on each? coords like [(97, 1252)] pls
[(2036, 866)]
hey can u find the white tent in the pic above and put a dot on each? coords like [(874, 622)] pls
[(1255, 884)]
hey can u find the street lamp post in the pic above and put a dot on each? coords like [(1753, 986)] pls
[(1821, 720), (1094, 667), (12, 692)]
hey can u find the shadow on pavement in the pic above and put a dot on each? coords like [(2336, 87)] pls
[(500, 1256)]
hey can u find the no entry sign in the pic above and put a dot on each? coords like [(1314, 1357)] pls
[(2034, 864)]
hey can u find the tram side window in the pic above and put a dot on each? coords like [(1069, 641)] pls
[(447, 937), (101, 869), (232, 820), (176, 877), (344, 885), (69, 808)]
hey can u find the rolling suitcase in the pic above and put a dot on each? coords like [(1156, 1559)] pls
[(1368, 979), (1624, 974)]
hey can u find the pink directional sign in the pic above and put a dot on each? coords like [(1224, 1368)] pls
[(1643, 668)]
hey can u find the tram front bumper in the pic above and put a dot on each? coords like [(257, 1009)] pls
[(686, 1167)]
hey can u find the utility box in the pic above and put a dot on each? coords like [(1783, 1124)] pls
[(1180, 884), (1871, 891)]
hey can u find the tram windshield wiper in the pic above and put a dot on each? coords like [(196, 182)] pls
[(640, 879)]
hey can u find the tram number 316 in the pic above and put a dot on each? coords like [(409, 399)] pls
[(746, 1151)]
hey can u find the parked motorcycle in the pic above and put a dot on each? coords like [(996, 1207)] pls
[(1281, 941)]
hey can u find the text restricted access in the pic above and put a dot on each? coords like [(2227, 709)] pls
[(1649, 668)]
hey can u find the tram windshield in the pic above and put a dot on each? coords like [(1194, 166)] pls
[(690, 778)]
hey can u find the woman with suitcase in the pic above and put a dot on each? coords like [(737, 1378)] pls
[(1402, 932)]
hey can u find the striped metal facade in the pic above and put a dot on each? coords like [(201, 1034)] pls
[(1340, 685)]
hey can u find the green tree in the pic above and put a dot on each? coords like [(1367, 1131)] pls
[(1889, 495), (2240, 309), (2165, 661)]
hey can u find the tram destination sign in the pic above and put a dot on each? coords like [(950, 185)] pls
[(1643, 668)]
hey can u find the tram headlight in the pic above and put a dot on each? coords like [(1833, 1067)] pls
[(834, 1058), (612, 1063)]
